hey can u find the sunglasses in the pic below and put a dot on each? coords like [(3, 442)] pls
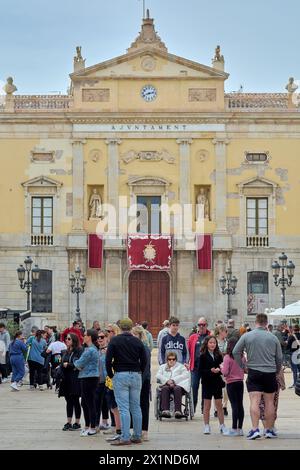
[(68, 339), (201, 324), (101, 337), (109, 331), (172, 359)]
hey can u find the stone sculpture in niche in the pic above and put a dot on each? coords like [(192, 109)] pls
[(202, 201), (95, 205)]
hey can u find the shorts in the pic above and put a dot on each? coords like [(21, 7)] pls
[(110, 399), (209, 392), (264, 382)]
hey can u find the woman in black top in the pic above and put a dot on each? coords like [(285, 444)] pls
[(212, 382), (69, 386)]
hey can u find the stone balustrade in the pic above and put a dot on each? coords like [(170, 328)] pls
[(256, 101), (41, 240), (42, 102), (257, 241)]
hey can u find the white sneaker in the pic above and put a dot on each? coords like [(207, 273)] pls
[(222, 428), (4, 381), (84, 433), (14, 385), (110, 431), (206, 429), (231, 432), (241, 432), (116, 437)]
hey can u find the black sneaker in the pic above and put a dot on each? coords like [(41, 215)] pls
[(225, 411), (67, 426), (75, 427)]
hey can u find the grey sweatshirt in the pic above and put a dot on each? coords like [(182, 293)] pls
[(263, 351)]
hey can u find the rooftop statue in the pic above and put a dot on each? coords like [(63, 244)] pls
[(291, 86), (218, 56), (9, 87)]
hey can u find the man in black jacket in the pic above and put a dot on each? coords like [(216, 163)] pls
[(126, 360)]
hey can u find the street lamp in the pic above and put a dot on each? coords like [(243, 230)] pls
[(77, 285), (33, 275), (228, 285), (283, 281)]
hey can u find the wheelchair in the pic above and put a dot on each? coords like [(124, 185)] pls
[(187, 405)]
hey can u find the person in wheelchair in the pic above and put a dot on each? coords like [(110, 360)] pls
[(174, 378)]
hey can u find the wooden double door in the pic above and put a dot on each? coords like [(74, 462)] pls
[(149, 298)]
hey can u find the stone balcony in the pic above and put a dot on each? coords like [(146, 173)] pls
[(245, 102)]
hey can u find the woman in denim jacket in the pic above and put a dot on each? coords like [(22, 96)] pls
[(88, 366)]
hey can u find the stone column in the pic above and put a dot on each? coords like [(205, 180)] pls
[(221, 184), (185, 171), (78, 185), (113, 175)]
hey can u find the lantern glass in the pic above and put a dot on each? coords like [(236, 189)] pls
[(36, 273), (21, 273), (82, 281), (290, 269), (234, 282), (77, 272), (72, 280), (276, 269), (283, 258), (28, 263), (222, 282)]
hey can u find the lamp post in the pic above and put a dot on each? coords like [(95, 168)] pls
[(77, 285), (228, 284), (33, 275), (283, 281)]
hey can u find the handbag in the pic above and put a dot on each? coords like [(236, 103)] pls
[(281, 380)]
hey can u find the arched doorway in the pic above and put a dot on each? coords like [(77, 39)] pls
[(149, 298)]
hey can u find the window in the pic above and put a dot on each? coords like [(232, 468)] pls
[(148, 213), (42, 293), (258, 292), (42, 215), (256, 157), (257, 216)]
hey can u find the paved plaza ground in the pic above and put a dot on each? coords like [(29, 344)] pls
[(33, 420)]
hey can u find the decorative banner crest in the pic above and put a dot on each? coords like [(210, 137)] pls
[(149, 252)]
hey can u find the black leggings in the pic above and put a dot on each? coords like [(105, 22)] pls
[(35, 367), (88, 401), (100, 403), (73, 404), (145, 404), (235, 392)]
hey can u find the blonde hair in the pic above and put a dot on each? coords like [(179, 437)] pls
[(141, 333), (220, 328), (114, 327)]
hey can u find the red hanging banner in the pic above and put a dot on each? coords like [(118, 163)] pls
[(95, 253), (149, 252), (204, 252)]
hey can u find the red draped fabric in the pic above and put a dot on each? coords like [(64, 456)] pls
[(95, 251), (204, 252), (149, 252)]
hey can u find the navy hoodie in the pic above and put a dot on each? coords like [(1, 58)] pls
[(176, 344)]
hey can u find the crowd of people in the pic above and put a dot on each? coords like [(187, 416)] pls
[(106, 373)]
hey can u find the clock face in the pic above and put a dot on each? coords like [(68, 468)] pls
[(149, 93)]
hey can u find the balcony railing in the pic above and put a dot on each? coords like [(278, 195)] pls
[(256, 101), (257, 241), (42, 102), (41, 240)]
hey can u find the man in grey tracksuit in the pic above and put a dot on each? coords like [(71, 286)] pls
[(264, 360)]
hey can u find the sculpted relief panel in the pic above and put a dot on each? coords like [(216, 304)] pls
[(96, 95), (202, 94), (148, 156)]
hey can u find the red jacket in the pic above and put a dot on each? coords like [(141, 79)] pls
[(73, 330), (192, 346)]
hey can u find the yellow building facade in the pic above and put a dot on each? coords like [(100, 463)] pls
[(149, 124)]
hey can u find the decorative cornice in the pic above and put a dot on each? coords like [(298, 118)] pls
[(184, 141), (113, 141)]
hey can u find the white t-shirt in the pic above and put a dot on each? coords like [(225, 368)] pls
[(57, 347)]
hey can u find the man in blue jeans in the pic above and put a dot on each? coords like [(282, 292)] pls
[(126, 360)]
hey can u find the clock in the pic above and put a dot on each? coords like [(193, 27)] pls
[(149, 93)]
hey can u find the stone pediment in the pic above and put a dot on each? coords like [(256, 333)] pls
[(147, 62), (148, 181), (257, 183), (42, 182)]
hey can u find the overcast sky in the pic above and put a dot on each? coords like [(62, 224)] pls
[(259, 39)]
